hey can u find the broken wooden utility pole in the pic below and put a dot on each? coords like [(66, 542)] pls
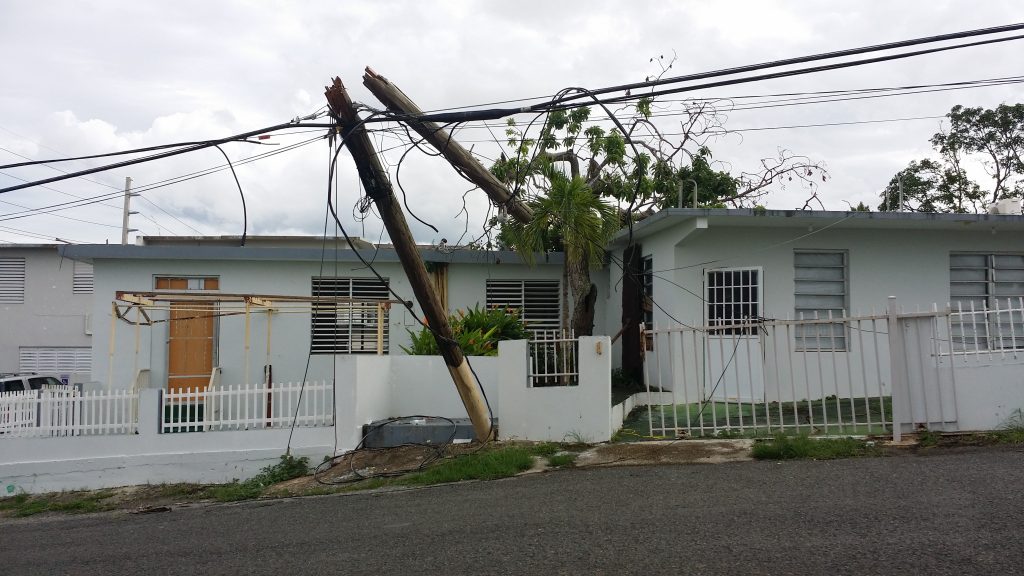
[(439, 138), (378, 188)]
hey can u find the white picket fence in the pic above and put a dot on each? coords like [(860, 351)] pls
[(255, 406), (67, 412)]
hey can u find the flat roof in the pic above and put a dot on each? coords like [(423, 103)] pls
[(92, 252), (750, 217)]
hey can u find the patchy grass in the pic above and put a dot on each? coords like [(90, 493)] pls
[(562, 460), (22, 505), (761, 419), (289, 467), (806, 448), (928, 438)]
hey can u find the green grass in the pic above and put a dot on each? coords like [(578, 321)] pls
[(489, 465), (22, 505), (289, 467), (806, 448), (725, 419), (561, 460)]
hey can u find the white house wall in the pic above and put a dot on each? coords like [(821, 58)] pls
[(289, 332), (913, 266), (52, 315)]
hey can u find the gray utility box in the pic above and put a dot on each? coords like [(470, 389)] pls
[(417, 430)]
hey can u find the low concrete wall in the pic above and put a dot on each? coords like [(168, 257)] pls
[(556, 413), (89, 462), (368, 388), (987, 394)]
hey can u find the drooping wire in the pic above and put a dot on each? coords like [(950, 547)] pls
[(245, 214)]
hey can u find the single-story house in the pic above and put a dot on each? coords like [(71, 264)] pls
[(716, 267), (198, 288)]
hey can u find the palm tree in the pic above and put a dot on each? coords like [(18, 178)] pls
[(573, 214)]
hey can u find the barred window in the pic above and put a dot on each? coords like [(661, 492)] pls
[(352, 327), (984, 288), (733, 296), (820, 292), (538, 301), (648, 286)]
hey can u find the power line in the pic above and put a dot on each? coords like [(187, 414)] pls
[(192, 148), (802, 60), (148, 187)]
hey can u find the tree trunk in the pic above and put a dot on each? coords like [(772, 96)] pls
[(584, 295)]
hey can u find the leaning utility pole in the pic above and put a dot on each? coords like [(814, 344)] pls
[(378, 188), (439, 138)]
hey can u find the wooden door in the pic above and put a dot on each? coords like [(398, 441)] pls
[(191, 339)]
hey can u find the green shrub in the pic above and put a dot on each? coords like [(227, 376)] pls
[(477, 331)]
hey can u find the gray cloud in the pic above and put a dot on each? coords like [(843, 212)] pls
[(109, 76)]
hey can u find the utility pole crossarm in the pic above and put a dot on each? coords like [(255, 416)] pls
[(378, 187), (396, 101)]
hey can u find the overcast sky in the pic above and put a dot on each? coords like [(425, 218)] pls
[(85, 78)]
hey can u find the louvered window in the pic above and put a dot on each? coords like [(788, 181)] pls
[(820, 292), (81, 282), (12, 280), (55, 359), (349, 327), (986, 287), (537, 300)]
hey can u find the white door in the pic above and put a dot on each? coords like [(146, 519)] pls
[(734, 351)]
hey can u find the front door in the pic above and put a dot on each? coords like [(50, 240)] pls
[(191, 343), (735, 362)]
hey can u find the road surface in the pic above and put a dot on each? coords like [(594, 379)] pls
[(946, 513)]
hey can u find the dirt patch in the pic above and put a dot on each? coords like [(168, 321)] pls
[(352, 467), (672, 452)]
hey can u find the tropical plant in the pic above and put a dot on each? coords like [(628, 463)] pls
[(477, 332)]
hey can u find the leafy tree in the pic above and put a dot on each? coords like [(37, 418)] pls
[(584, 223), (993, 138), (585, 180)]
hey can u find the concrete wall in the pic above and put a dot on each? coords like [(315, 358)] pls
[(556, 413), (90, 462), (52, 314), (289, 332)]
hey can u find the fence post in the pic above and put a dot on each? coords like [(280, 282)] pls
[(150, 411), (897, 369)]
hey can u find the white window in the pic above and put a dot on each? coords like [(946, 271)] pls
[(538, 301), (733, 296), (12, 280), (349, 327), (820, 292), (55, 359), (82, 279), (987, 284)]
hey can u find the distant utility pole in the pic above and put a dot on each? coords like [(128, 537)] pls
[(378, 188), (127, 210), (439, 138)]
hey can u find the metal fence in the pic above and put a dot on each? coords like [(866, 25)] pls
[(67, 412), (818, 376), (554, 356), (248, 407)]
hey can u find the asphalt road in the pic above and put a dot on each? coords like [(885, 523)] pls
[(948, 513)]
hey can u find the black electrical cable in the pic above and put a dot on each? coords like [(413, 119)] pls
[(814, 58), (192, 148), (776, 75), (245, 213)]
